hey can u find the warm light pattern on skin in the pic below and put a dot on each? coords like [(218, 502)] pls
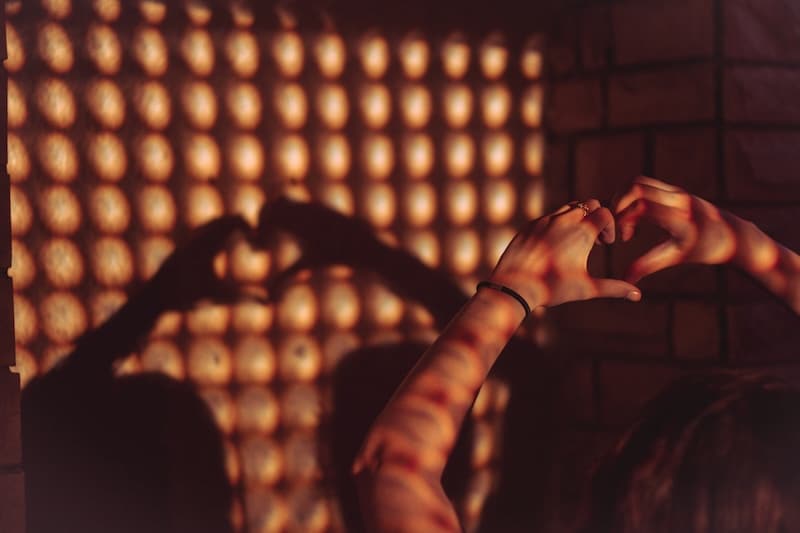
[(178, 119)]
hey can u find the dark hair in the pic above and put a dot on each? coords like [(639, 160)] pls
[(712, 453)]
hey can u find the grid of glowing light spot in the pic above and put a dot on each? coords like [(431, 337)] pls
[(316, 322)]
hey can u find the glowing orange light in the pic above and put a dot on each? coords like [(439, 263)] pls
[(59, 210), (19, 163), (337, 196), (243, 102), (382, 307), (459, 154), (330, 54), (499, 201), (493, 57), (201, 157), (378, 204), (109, 209), (462, 251), (419, 204), (375, 104), (308, 511), (301, 405), (155, 208), (63, 317), (202, 203), (209, 361), (21, 212), (241, 51), (15, 50), (495, 105), (107, 10), (418, 155), (340, 304), (533, 199), (245, 156), (161, 355), (287, 51), (532, 106), (106, 103), (533, 154), (151, 252), (374, 55), (332, 106), (55, 48), (112, 262), (154, 156), (460, 202), (247, 200), (455, 56), (290, 105), (498, 152), (531, 61), (258, 411), (254, 360), (291, 156), (106, 154), (197, 50), (198, 12), (457, 104), (152, 103), (248, 265), (23, 267), (297, 309), (17, 109), (377, 156), (262, 461), (152, 11), (149, 50), (208, 319), (334, 156), (56, 103), (415, 105), (414, 56), (424, 245), (26, 365), (221, 405), (252, 317), (58, 9), (267, 512), (199, 104), (26, 323), (106, 303), (104, 49)]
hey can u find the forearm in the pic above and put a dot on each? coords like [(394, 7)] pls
[(773, 265), (406, 450), (99, 348)]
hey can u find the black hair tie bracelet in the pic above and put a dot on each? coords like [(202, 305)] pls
[(511, 292)]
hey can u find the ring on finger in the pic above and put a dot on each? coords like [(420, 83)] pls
[(583, 206)]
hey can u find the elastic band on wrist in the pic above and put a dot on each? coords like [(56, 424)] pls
[(511, 292)]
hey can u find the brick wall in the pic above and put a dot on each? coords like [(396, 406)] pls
[(701, 93), (12, 488)]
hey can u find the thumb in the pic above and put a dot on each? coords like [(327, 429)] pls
[(615, 288), (663, 256)]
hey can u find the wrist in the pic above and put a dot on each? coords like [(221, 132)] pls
[(506, 304)]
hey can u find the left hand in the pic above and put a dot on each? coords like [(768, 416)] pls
[(187, 275), (546, 263)]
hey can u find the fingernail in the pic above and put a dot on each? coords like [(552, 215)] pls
[(634, 296)]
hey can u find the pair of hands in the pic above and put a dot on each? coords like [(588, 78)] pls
[(546, 262)]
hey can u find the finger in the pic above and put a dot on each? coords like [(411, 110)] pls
[(658, 184), (214, 234), (576, 213), (673, 197), (674, 220), (602, 222), (615, 288), (663, 256), (277, 283)]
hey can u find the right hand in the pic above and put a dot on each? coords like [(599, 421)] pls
[(546, 263), (699, 232)]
